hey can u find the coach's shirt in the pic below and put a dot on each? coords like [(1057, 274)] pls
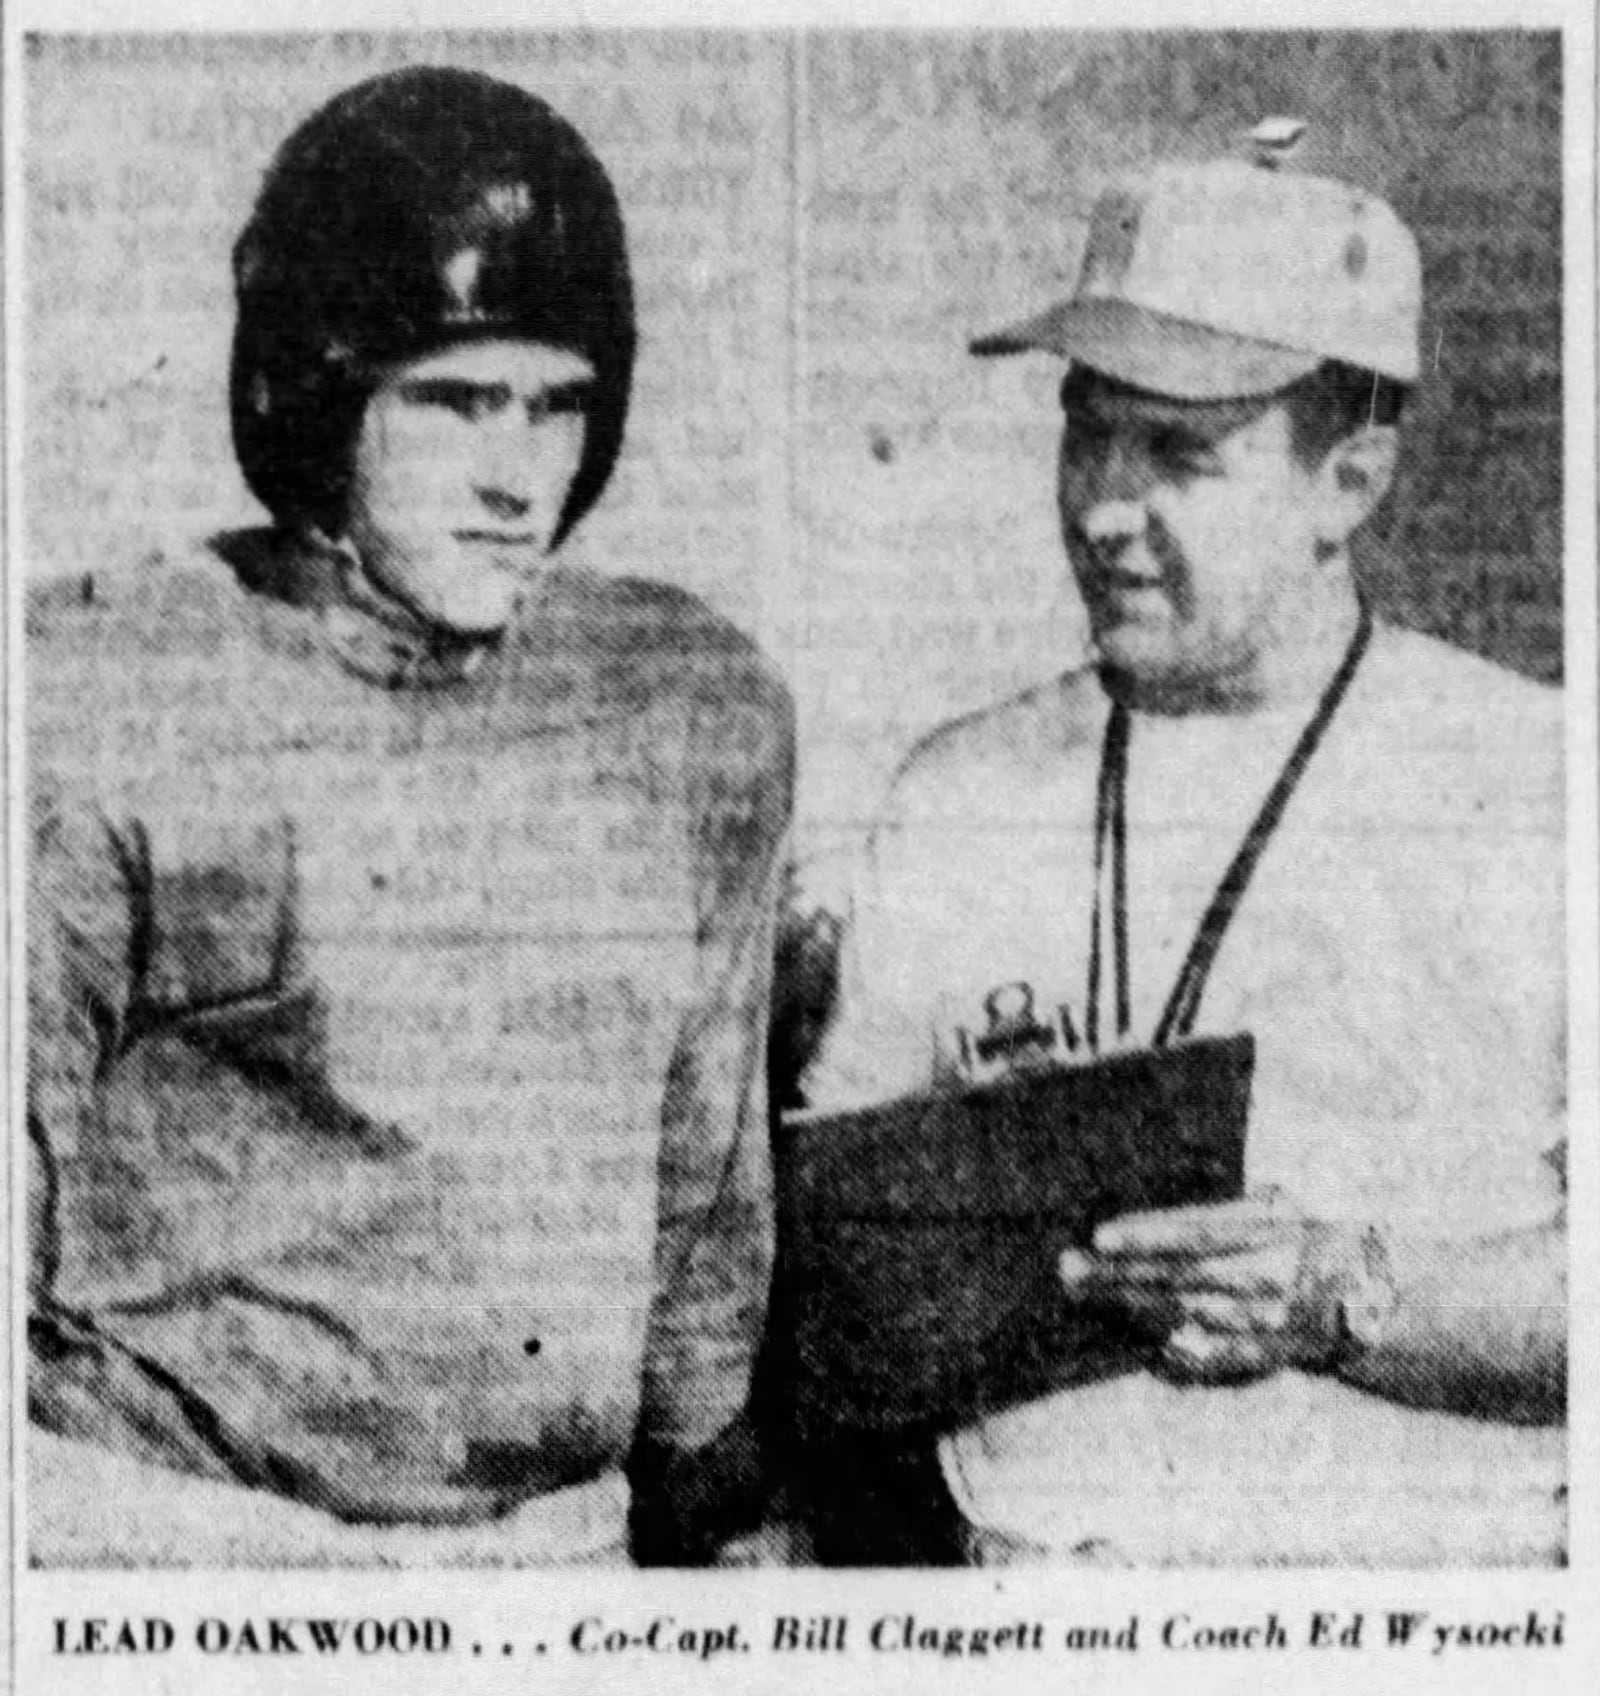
[(1400, 960), (397, 1023)]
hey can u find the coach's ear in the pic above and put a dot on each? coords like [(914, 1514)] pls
[(1353, 480)]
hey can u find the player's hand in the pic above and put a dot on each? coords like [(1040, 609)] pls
[(1240, 1288)]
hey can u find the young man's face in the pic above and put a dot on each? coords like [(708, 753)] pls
[(1192, 529), (460, 473)]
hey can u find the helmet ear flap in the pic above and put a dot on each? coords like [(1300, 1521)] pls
[(296, 409), (424, 207)]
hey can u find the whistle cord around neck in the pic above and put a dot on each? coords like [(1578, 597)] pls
[(1183, 1006)]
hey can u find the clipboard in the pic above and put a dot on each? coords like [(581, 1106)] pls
[(916, 1283)]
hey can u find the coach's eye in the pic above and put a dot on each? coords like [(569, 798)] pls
[(1086, 434), (1181, 452)]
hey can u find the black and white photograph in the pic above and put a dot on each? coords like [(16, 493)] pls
[(802, 810)]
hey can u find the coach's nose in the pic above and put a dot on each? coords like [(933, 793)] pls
[(1112, 521)]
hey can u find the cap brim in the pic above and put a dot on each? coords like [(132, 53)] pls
[(1149, 350)]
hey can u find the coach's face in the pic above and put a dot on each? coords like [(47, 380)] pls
[(460, 475), (1193, 530)]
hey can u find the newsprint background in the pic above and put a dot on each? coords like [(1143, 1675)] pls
[(820, 215)]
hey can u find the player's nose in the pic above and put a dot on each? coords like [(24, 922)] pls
[(504, 469)]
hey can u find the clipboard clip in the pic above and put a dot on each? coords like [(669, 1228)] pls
[(1015, 1038)]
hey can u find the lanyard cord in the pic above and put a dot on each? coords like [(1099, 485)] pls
[(1111, 832), (1111, 824)]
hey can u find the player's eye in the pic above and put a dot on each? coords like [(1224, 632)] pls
[(563, 401), (471, 401)]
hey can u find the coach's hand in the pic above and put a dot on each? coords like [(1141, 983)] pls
[(1240, 1288)]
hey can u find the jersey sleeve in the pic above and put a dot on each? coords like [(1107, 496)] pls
[(715, 1223), (876, 1046), (82, 895)]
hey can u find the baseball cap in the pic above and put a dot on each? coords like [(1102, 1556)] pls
[(1210, 281)]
